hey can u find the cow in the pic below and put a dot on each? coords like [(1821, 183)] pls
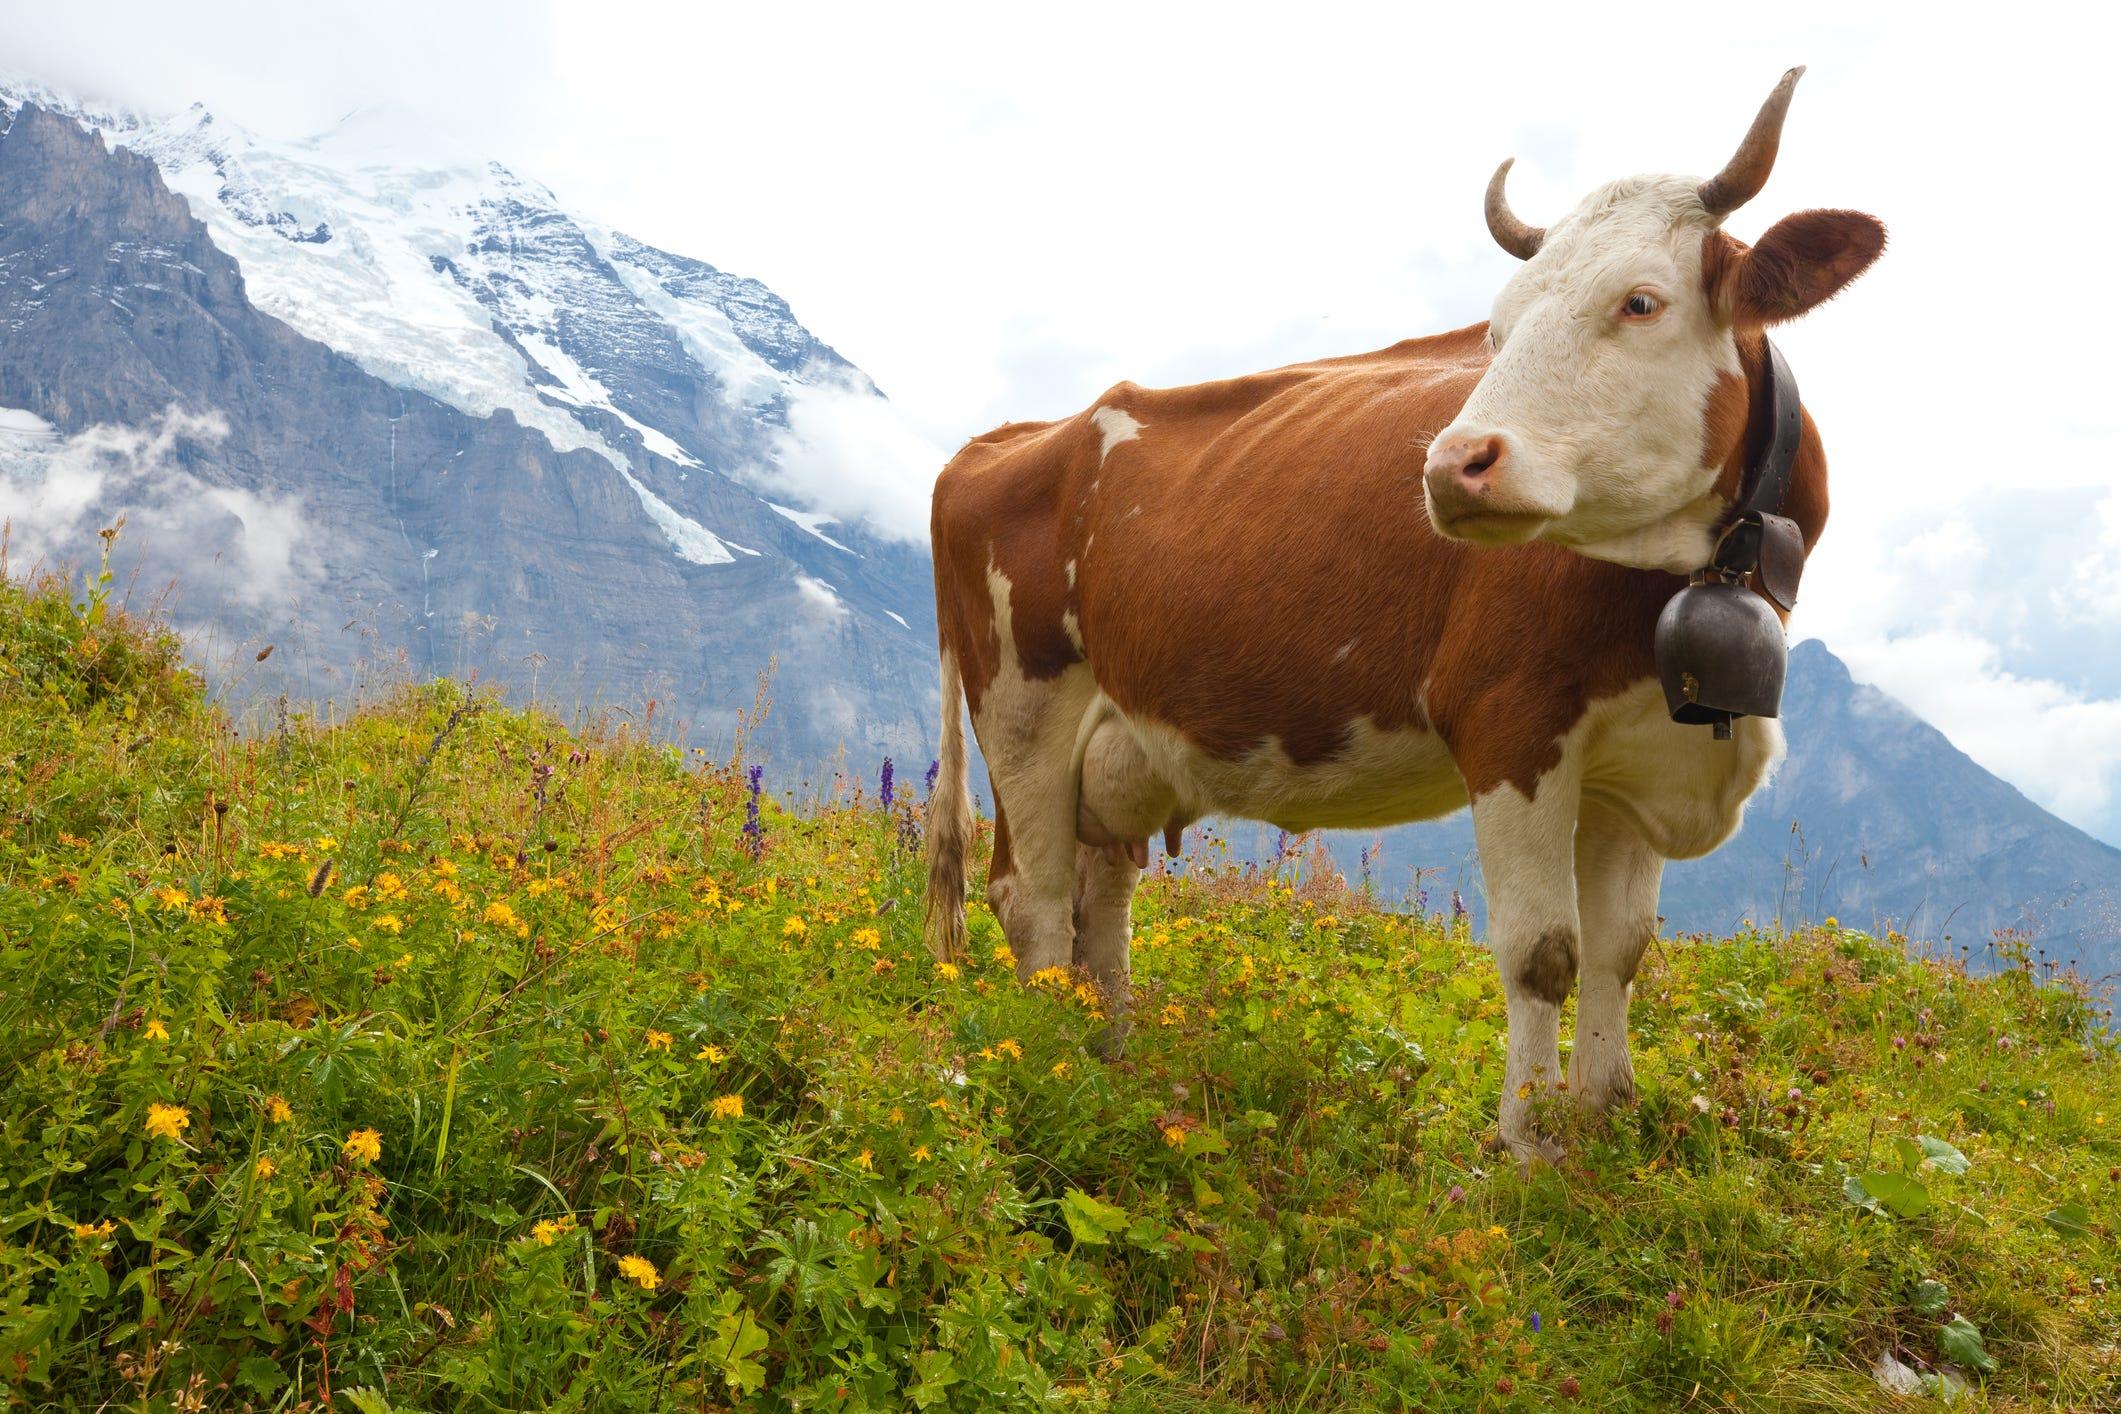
[(1377, 588)]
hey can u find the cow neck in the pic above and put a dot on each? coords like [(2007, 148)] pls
[(1758, 541)]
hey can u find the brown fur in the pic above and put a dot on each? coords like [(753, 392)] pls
[(1548, 968)]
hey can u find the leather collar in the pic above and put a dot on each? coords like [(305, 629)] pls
[(1758, 541)]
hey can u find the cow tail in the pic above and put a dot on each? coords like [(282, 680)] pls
[(949, 826)]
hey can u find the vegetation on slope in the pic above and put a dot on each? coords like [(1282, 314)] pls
[(436, 1058)]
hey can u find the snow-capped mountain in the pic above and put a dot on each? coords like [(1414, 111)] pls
[(435, 277)]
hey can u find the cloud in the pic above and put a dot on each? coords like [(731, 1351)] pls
[(849, 453), (55, 492), (2093, 593), (818, 597)]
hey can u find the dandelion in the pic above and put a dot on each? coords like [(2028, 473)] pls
[(265, 1168), (1175, 1136), (167, 1121), (641, 1272), (948, 971), (658, 1040), (277, 1110), (155, 1031), (727, 1107), (363, 1146), (795, 927), (712, 1054), (172, 898)]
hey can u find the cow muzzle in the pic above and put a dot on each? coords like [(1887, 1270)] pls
[(1471, 482)]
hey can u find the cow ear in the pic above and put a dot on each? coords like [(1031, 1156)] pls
[(1803, 261)]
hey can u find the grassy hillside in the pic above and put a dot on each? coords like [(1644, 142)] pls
[(434, 1058)]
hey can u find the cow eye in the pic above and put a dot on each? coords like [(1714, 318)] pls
[(1641, 305)]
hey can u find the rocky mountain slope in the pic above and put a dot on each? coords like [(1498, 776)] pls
[(377, 412)]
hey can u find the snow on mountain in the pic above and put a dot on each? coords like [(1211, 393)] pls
[(455, 277)]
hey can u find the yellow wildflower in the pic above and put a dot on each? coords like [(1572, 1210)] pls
[(363, 1146), (712, 1054), (795, 927), (277, 1111), (641, 1272), (727, 1107), (1054, 977), (947, 970), (388, 923), (865, 1160), (155, 1031), (325, 843), (357, 897), (868, 938), (1060, 1067), (389, 886), (500, 915), (90, 1231), (1003, 955), (167, 1121), (1175, 1136), (265, 1168), (172, 898), (403, 961), (1009, 1047), (658, 1040), (548, 1230), (921, 1154), (897, 1115), (1173, 1014)]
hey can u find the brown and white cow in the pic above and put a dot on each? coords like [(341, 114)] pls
[(1374, 589)]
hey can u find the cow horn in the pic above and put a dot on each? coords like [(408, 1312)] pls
[(1747, 172), (1510, 233)]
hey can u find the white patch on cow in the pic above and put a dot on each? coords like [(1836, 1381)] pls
[(1603, 422), (1070, 567), (1027, 730), (1115, 427), (1071, 626), (1380, 778), (1340, 654), (1683, 790)]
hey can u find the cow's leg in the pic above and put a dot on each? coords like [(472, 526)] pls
[(1104, 926), (1028, 730), (1617, 874), (1527, 856)]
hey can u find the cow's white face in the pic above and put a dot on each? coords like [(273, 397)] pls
[(1616, 392), (1590, 428)]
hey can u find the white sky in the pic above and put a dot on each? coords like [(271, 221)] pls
[(999, 210)]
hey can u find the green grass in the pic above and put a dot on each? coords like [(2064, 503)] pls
[(393, 1062)]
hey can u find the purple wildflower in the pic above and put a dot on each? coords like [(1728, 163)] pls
[(754, 827), (928, 785), (883, 789), (1535, 1323)]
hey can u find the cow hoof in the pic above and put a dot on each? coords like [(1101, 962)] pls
[(1110, 1044), (1532, 1150)]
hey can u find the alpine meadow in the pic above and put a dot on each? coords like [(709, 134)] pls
[(435, 1055)]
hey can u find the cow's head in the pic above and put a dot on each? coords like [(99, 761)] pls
[(1616, 392)]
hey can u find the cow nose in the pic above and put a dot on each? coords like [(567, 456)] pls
[(1466, 459)]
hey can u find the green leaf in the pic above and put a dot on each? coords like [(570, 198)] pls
[(1910, 1155), (1852, 1189), (2072, 1218), (1943, 1155), (261, 1374), (1092, 1220), (1898, 1192), (368, 1401), (1930, 1298), (1960, 1340)]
